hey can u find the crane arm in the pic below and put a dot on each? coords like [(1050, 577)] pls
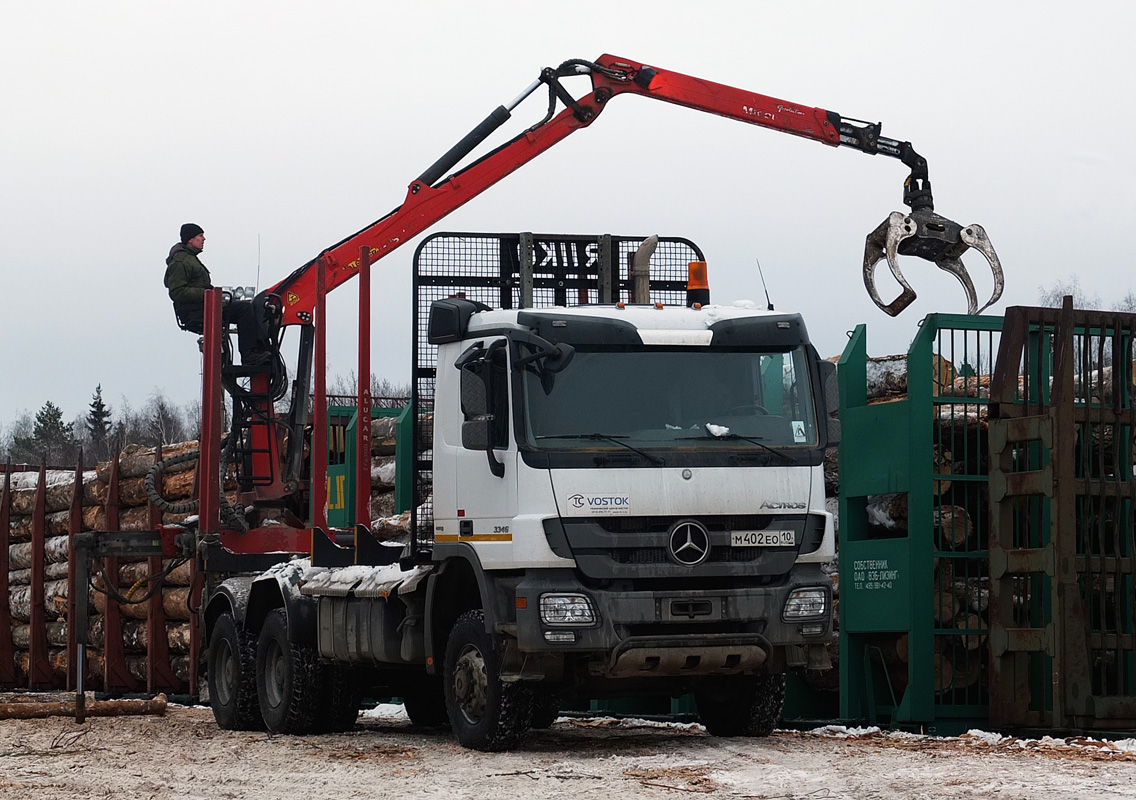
[(429, 197)]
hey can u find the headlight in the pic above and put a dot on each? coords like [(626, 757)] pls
[(566, 609), (805, 604)]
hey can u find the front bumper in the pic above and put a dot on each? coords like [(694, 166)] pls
[(676, 632)]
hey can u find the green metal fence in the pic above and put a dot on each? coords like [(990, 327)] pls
[(1001, 589)]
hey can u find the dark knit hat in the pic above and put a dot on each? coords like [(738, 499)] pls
[(189, 230)]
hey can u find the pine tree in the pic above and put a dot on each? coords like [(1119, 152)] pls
[(52, 441), (99, 425)]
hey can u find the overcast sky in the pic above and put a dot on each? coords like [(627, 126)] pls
[(282, 127)]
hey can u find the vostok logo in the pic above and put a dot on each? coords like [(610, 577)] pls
[(780, 505), (600, 501)]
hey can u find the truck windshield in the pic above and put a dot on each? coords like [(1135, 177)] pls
[(672, 397)]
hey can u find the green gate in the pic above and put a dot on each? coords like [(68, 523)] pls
[(912, 580)]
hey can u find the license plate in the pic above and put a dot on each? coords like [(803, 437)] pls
[(762, 539)]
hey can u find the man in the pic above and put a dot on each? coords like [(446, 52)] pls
[(187, 279)]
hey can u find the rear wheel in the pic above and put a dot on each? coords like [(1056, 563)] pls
[(231, 667), (749, 706), (425, 702), (341, 694), (485, 712), (288, 678)]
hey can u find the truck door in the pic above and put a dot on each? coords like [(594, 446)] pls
[(479, 456)]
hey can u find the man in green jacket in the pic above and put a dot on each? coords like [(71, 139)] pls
[(187, 279)]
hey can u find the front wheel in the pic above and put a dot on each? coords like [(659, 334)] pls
[(747, 706), (546, 708), (485, 712), (231, 667), (288, 678)]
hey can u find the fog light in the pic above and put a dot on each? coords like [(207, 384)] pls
[(560, 637), (804, 603), (812, 629), (566, 609)]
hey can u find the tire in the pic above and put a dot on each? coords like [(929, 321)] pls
[(341, 694), (749, 706), (425, 702), (288, 678), (485, 712), (231, 668), (545, 710)]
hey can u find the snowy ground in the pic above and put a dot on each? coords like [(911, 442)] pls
[(184, 755)]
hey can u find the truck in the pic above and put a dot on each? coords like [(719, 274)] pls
[(618, 486)]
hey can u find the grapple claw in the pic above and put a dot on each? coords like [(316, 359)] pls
[(932, 237), (882, 243)]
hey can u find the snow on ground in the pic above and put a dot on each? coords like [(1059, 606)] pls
[(184, 755)]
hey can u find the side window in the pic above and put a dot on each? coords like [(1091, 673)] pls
[(499, 398), (485, 392)]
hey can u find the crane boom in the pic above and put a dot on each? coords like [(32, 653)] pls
[(429, 199)]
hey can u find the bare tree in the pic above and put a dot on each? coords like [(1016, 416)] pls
[(386, 393), (163, 420), (1128, 304), (1053, 298)]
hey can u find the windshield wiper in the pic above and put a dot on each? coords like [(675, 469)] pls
[(750, 439), (658, 462)]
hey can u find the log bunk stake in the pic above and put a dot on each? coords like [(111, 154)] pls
[(7, 647), (39, 668), (116, 672), (158, 671)]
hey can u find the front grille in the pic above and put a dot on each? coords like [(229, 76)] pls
[(636, 547), (658, 555)]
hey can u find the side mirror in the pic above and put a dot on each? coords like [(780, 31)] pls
[(477, 433), (831, 398), (474, 392), (560, 358)]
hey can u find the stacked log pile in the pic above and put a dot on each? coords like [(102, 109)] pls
[(382, 467), (93, 508), (134, 513)]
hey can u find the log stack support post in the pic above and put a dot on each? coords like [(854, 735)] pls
[(75, 594), (39, 667), (197, 579), (318, 509), (159, 675), (362, 511), (7, 648), (116, 672)]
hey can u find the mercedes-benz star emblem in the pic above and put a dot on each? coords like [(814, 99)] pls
[(688, 542)]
